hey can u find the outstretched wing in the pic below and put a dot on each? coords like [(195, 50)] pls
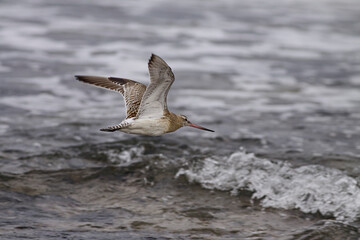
[(153, 103), (132, 91), (101, 82)]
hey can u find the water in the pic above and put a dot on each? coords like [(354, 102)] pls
[(278, 81)]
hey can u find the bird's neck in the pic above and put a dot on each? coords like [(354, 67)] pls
[(174, 121)]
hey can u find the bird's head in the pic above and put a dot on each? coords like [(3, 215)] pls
[(186, 122)]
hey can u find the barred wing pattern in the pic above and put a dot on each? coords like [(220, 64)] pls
[(103, 82), (132, 91)]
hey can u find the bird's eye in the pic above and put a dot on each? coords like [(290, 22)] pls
[(184, 117)]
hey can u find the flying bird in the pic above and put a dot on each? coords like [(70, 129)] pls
[(146, 107)]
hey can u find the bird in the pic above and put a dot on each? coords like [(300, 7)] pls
[(146, 106)]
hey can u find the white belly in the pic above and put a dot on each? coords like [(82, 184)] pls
[(149, 127)]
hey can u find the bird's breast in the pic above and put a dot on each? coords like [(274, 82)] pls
[(150, 127)]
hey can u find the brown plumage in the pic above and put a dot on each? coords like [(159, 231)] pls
[(132, 91), (146, 107)]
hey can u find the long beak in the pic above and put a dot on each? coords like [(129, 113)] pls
[(199, 127)]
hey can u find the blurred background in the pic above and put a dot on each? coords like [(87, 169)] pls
[(278, 81)]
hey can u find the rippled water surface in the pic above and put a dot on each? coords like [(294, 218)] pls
[(278, 81)]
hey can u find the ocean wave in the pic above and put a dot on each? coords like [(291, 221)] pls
[(278, 184)]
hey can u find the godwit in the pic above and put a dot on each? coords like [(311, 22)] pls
[(146, 108)]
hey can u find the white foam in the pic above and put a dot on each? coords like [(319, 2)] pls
[(29, 38), (64, 100), (278, 184), (125, 156)]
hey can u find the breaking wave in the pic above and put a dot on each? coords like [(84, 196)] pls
[(278, 184)]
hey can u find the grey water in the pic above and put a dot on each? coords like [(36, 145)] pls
[(278, 81)]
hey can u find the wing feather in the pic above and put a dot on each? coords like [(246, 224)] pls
[(132, 91), (153, 103), (103, 82)]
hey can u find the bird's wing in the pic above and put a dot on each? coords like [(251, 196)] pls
[(153, 103), (101, 82), (132, 91)]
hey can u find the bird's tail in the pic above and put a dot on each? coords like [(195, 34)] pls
[(112, 128), (123, 124)]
